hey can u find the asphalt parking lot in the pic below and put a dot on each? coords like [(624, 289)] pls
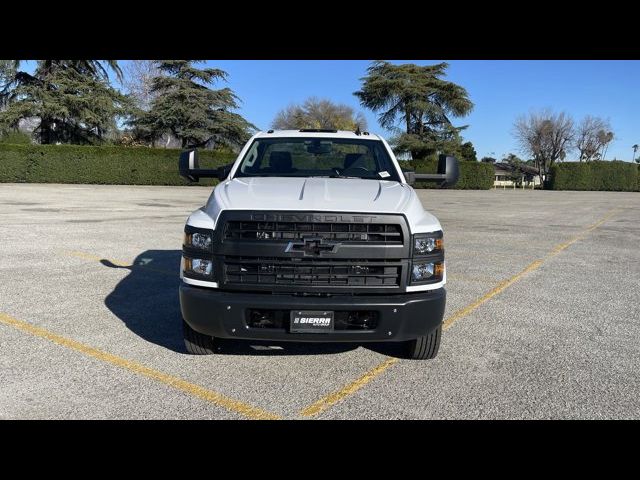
[(542, 321)]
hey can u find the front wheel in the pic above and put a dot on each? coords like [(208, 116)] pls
[(196, 343), (424, 348)]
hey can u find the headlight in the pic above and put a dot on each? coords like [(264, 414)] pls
[(424, 244), (197, 254), (425, 271), (198, 240), (422, 271), (198, 266)]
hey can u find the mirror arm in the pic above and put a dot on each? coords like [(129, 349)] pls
[(220, 173), (447, 176), (431, 177), (204, 172), (189, 169)]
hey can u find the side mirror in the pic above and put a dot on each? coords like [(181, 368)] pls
[(190, 169), (447, 176), (448, 166), (188, 165)]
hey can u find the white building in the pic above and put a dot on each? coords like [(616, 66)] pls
[(511, 176)]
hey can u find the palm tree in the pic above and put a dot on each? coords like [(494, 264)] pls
[(92, 67), (96, 67), (604, 138), (635, 149)]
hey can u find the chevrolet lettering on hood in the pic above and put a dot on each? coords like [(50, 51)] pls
[(271, 217)]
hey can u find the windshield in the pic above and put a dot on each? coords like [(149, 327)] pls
[(318, 157)]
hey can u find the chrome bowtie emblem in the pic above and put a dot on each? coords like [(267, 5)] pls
[(311, 247)]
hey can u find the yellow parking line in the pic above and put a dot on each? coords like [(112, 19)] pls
[(119, 263), (333, 398), (328, 401), (471, 278), (463, 312), (215, 398)]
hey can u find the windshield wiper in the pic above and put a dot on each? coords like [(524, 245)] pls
[(270, 175), (332, 176)]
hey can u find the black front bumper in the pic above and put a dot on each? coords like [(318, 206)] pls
[(223, 314)]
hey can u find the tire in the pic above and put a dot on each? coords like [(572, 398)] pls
[(196, 343), (424, 348)]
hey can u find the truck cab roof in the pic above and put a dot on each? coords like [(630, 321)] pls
[(316, 133)]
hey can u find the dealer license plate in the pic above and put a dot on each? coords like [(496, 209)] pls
[(311, 321)]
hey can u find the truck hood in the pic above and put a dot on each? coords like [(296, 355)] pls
[(320, 194), (279, 193)]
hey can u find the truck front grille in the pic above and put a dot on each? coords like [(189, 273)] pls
[(311, 272), (388, 234)]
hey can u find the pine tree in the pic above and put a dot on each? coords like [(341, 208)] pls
[(193, 112), (421, 101), (72, 99)]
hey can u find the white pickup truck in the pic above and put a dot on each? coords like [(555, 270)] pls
[(314, 236)]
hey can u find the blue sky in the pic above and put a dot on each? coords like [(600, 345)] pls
[(500, 89)]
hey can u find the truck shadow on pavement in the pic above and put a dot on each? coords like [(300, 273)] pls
[(147, 302)]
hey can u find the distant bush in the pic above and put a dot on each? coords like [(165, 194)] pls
[(597, 175), (102, 165), (16, 138), (473, 175)]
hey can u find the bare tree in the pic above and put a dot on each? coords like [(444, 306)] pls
[(319, 113), (545, 136), (138, 77), (589, 138), (7, 78)]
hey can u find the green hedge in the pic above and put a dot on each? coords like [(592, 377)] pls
[(155, 166), (473, 175), (21, 138), (614, 175), (104, 165)]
